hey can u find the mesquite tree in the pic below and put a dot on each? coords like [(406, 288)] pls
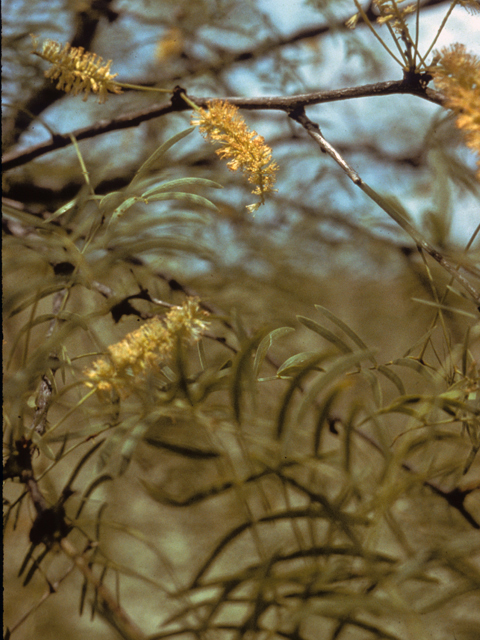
[(186, 454)]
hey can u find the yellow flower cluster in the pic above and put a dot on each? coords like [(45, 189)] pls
[(146, 350), (247, 150), (390, 12), (78, 71), (470, 5), (457, 75)]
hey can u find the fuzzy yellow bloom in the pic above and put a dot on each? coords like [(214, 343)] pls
[(245, 149), (78, 70), (457, 75), (390, 12), (470, 5), (146, 350)]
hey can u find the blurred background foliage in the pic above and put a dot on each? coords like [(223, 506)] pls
[(335, 497)]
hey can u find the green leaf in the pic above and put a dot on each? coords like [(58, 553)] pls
[(376, 388), (41, 443), (157, 155), (126, 204), (210, 380), (265, 345), (28, 219), (176, 218), (344, 327), (405, 405), (297, 363), (115, 196), (90, 489), (168, 244), (130, 445), (36, 297), (113, 440), (179, 195), (423, 340), (392, 376), (438, 435), (341, 366), (81, 462), (325, 333), (59, 212), (181, 182), (470, 459), (445, 307), (306, 362), (192, 198), (202, 356), (445, 402), (242, 369), (195, 453), (412, 363)]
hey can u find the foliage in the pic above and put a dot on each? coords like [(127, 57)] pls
[(194, 446)]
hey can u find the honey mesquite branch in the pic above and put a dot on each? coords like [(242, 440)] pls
[(313, 130), (176, 104)]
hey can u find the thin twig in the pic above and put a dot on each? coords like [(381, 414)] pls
[(455, 497), (44, 396), (313, 130), (121, 619), (52, 589)]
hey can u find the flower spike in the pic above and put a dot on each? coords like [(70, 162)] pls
[(146, 350), (78, 70), (457, 74), (245, 149)]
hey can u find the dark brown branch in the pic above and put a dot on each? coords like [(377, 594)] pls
[(18, 158), (87, 21)]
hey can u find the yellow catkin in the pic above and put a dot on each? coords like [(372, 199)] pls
[(144, 351), (244, 149), (457, 76), (389, 12), (393, 14), (78, 71)]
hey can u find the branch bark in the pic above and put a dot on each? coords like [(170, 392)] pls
[(422, 243), (176, 104)]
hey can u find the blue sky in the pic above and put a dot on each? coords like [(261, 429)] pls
[(341, 121)]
